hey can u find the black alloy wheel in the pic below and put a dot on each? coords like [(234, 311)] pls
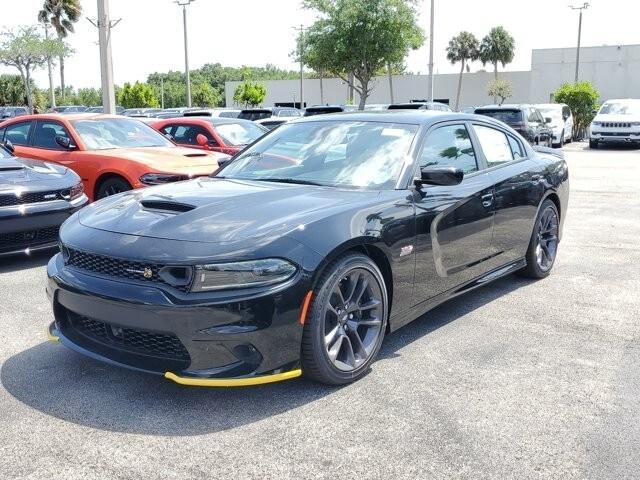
[(112, 186), (347, 321), (543, 247)]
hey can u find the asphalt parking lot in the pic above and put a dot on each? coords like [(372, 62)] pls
[(520, 379)]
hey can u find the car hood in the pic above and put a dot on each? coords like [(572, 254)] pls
[(168, 159), (607, 117), (16, 171), (217, 210)]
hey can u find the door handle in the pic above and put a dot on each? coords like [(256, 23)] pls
[(487, 200)]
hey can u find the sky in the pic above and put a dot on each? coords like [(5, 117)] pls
[(255, 32)]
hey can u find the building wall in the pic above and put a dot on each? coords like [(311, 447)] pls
[(614, 70)]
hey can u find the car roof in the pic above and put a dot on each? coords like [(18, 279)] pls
[(61, 117), (204, 119), (409, 117), (506, 106)]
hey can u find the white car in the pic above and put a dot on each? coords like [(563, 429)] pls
[(561, 121), (617, 121)]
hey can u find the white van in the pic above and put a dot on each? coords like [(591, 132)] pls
[(561, 121)]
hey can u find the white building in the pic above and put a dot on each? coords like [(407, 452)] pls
[(614, 70)]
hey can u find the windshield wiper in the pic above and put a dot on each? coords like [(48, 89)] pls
[(297, 181)]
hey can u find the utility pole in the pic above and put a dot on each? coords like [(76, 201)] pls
[(300, 29), (430, 86), (52, 94), (106, 65), (183, 4), (581, 8), (162, 92), (390, 73)]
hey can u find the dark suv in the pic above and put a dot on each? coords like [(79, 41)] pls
[(527, 120)]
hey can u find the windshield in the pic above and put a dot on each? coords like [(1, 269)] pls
[(555, 113), (239, 134), (367, 155), (506, 116), (621, 108), (106, 133)]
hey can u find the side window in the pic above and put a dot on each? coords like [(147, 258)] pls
[(495, 145), (2, 134), (449, 146), (186, 134), (566, 112), (45, 135), (532, 118), (18, 133), (540, 117), (167, 130), (516, 148)]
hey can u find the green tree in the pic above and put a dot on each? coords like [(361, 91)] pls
[(91, 97), (355, 39), (582, 99), (12, 90), (498, 47), (462, 48), (204, 95), (25, 49), (500, 90), (250, 94), (62, 14), (138, 95)]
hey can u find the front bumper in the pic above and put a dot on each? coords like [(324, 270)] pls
[(615, 137), (190, 339), (32, 227)]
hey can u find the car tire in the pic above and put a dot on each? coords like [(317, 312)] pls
[(593, 144), (543, 246), (112, 186), (346, 322), (561, 142)]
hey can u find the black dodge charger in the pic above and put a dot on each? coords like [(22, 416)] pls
[(307, 248), (35, 198)]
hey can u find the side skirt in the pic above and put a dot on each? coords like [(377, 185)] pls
[(408, 316)]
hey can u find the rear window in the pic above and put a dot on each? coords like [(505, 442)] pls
[(506, 116), (406, 106), (254, 115), (310, 112)]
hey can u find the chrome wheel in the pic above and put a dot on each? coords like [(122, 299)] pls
[(547, 239), (353, 319)]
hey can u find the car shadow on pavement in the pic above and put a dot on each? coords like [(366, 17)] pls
[(61, 383), (23, 262)]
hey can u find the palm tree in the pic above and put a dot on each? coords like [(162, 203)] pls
[(462, 48), (497, 47), (61, 14)]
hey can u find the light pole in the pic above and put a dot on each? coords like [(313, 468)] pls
[(183, 4), (581, 8), (430, 85), (106, 66), (300, 54), (52, 94)]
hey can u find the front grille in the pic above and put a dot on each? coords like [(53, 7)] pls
[(118, 268), (125, 339), (616, 124), (29, 238), (12, 199)]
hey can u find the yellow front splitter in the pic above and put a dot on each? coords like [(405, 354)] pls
[(232, 382), (51, 337)]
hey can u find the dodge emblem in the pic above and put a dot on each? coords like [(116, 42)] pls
[(148, 273)]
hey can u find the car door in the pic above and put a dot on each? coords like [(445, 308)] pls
[(185, 134), (453, 223), (517, 191), (18, 134), (43, 145)]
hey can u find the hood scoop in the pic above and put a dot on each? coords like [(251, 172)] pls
[(167, 206), (195, 155), (10, 165)]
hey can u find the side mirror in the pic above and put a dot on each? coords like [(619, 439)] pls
[(548, 120), (202, 140), (65, 142), (9, 147), (443, 176)]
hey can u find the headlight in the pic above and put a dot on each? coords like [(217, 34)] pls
[(161, 178), (635, 124), (74, 192), (254, 273)]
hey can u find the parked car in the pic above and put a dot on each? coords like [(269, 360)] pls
[(376, 106), (10, 112), (253, 114), (225, 135), (617, 121), (440, 107), (111, 154), (260, 274), (524, 119), (272, 123), (119, 110), (326, 109), (561, 121), (141, 112), (212, 112), (35, 198), (67, 109)]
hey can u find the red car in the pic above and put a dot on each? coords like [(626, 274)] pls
[(111, 154), (225, 135)]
